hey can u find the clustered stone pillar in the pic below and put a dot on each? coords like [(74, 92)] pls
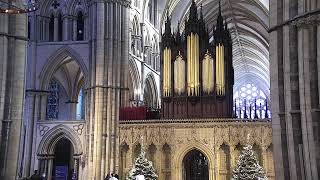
[(13, 37), (294, 65), (109, 37), (32, 115)]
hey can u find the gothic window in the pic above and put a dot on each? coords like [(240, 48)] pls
[(251, 99), (80, 105), (80, 26), (60, 27), (51, 28), (53, 100)]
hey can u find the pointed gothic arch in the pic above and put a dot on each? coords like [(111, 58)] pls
[(150, 92), (51, 138), (178, 160), (55, 60)]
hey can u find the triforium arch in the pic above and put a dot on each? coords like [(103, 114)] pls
[(150, 92), (181, 154), (46, 148)]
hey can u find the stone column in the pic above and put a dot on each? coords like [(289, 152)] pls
[(56, 29), (97, 72), (32, 106), (12, 76), (42, 25), (233, 158), (277, 89), (264, 155), (43, 106), (73, 110), (125, 43), (74, 29), (76, 166), (307, 94), (65, 34), (50, 167), (216, 162), (86, 28), (47, 20), (108, 57)]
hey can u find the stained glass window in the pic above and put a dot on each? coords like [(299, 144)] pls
[(80, 105), (53, 100), (251, 102)]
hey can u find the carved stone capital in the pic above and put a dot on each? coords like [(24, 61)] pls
[(306, 22)]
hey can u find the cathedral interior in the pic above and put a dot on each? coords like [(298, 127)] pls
[(86, 84)]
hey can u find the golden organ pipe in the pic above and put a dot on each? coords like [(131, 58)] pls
[(197, 65), (167, 71), (223, 76), (217, 68), (193, 64), (188, 64), (220, 78), (179, 74), (220, 69)]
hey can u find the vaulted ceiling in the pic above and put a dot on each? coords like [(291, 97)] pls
[(248, 21)]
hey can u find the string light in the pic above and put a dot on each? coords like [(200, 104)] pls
[(18, 6)]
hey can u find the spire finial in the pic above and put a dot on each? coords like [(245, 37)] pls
[(266, 112), (255, 109)]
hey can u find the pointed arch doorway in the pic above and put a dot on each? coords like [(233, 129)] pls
[(195, 166), (63, 163)]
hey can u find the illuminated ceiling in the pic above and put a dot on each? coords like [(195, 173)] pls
[(248, 21)]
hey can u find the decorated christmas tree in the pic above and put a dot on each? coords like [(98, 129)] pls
[(142, 166), (248, 167)]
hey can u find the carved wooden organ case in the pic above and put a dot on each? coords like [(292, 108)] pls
[(197, 76)]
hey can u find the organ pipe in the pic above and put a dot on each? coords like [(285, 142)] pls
[(220, 70), (208, 73), (166, 71), (179, 75), (193, 64)]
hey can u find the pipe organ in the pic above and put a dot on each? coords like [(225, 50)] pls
[(196, 74), (179, 75), (166, 71)]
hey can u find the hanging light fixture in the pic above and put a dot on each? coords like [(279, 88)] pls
[(18, 6)]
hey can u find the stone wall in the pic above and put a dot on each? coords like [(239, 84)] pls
[(168, 141)]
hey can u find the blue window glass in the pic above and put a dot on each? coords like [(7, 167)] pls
[(80, 105), (249, 99), (53, 100)]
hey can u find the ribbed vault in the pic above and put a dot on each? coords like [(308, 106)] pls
[(248, 22)]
